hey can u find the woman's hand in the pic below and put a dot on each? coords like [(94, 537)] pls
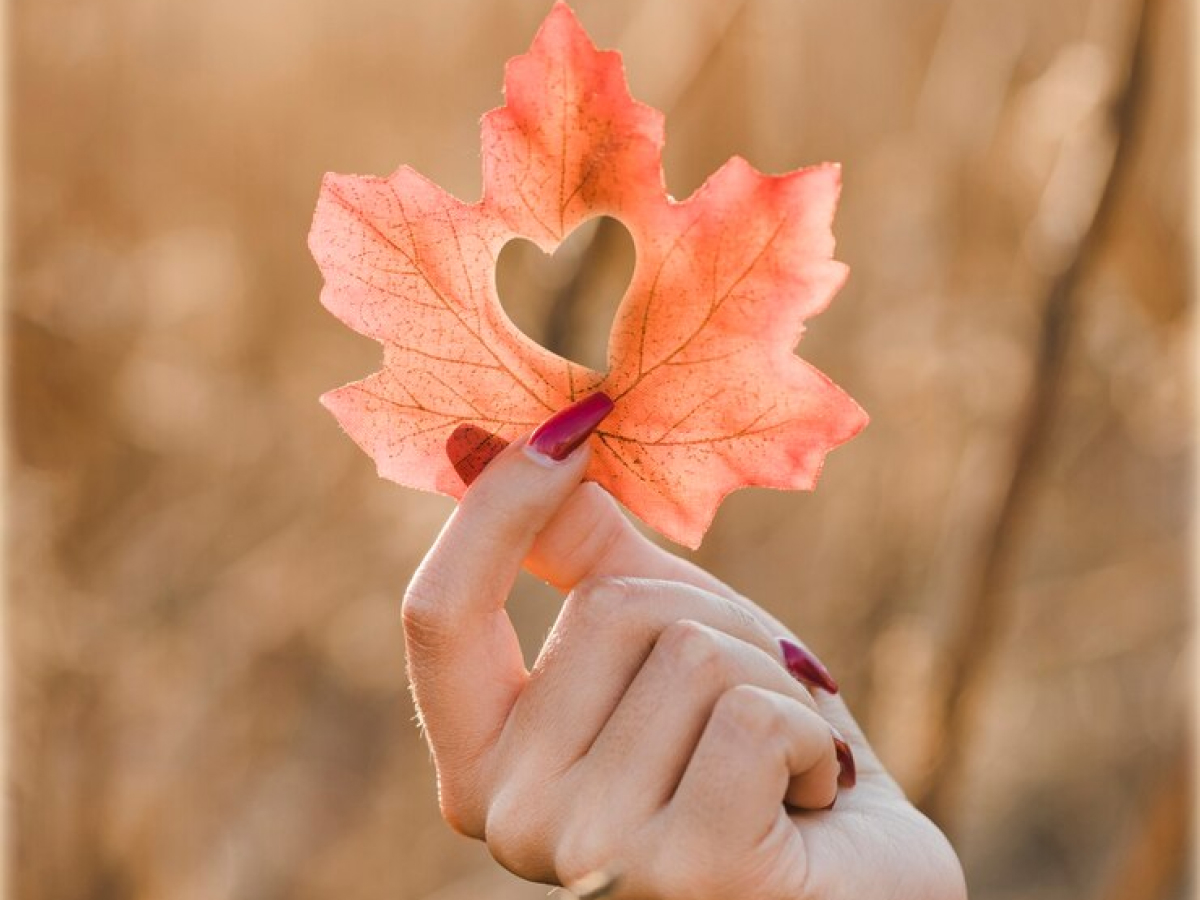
[(660, 736)]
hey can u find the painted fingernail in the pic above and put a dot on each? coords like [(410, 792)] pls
[(806, 667), (847, 773), (470, 450), (564, 431)]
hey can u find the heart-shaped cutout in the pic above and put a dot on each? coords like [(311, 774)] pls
[(566, 302)]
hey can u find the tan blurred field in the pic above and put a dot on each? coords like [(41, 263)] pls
[(208, 680)]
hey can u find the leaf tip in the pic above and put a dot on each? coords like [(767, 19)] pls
[(828, 171), (561, 24), (332, 400)]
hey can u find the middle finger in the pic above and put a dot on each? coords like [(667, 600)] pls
[(604, 634), (662, 715)]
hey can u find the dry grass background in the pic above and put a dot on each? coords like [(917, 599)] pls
[(208, 683)]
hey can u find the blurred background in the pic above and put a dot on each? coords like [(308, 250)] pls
[(208, 698)]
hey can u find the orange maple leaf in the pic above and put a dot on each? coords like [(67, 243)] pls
[(709, 393)]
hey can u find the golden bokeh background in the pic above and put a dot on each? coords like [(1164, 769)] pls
[(208, 681)]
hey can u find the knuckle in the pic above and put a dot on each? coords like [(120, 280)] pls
[(596, 599), (459, 809), (423, 609), (741, 612), (462, 788), (748, 712), (692, 647), (514, 835)]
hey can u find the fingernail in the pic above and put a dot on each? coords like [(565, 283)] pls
[(564, 431), (847, 774), (470, 450), (806, 667)]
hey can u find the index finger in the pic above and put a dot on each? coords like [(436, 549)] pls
[(464, 659)]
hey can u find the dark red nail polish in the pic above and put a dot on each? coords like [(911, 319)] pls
[(564, 431), (847, 773), (806, 667)]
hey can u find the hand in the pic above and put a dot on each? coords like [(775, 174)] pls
[(659, 736)]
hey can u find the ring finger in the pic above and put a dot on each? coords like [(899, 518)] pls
[(661, 717)]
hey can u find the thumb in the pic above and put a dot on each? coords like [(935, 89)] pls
[(464, 660)]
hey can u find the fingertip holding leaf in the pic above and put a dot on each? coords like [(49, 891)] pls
[(710, 396)]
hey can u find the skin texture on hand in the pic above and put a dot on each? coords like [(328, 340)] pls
[(659, 735)]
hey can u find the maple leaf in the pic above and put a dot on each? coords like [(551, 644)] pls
[(709, 393)]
